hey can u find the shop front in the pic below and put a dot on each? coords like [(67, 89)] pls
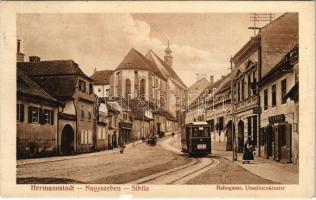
[(125, 132), (277, 139)]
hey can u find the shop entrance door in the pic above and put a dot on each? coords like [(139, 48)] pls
[(285, 136), (269, 139)]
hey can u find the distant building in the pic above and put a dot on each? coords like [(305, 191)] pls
[(101, 82), (103, 139), (64, 80), (36, 119), (195, 90)]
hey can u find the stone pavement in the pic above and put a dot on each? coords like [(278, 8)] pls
[(265, 168), (84, 155)]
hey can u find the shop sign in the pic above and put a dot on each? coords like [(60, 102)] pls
[(276, 118)]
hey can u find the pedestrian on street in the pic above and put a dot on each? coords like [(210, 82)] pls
[(248, 151), (172, 134), (122, 146)]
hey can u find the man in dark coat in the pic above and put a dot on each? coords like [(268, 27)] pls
[(248, 150)]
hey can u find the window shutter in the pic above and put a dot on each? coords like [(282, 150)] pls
[(21, 112), (30, 114), (52, 116)]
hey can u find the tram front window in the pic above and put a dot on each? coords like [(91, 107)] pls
[(200, 132)]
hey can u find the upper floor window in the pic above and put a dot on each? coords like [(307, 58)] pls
[(242, 89), (20, 112), (82, 114), (238, 91), (142, 90), (82, 86), (283, 91), (273, 96), (254, 82), (127, 88), (90, 88), (249, 85), (89, 115), (265, 99), (99, 90), (125, 116)]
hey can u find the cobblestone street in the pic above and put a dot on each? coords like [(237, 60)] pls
[(160, 164)]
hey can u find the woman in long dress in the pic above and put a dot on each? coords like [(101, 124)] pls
[(248, 151)]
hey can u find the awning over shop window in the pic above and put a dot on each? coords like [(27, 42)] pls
[(293, 93)]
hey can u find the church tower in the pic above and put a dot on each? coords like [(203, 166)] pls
[(168, 57)]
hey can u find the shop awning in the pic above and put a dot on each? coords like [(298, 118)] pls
[(293, 93)]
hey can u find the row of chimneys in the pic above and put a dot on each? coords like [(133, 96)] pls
[(20, 56)]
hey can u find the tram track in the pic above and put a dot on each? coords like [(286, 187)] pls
[(182, 174)]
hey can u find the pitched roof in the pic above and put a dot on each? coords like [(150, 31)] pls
[(51, 68), (26, 86), (277, 39), (135, 60), (219, 85), (58, 78), (62, 87), (200, 83), (102, 77), (157, 60)]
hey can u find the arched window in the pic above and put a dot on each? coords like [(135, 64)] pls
[(142, 90), (127, 88)]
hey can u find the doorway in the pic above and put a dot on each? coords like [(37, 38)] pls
[(67, 140), (240, 136)]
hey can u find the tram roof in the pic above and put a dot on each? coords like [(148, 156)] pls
[(198, 123)]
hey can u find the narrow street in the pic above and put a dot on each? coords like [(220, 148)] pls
[(141, 164)]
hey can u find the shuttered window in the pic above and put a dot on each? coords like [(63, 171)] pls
[(20, 112), (283, 91), (273, 95)]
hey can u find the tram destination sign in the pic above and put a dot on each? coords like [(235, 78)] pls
[(276, 118)]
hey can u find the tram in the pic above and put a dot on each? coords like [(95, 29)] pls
[(196, 138)]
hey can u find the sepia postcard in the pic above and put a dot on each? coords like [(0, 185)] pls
[(157, 99)]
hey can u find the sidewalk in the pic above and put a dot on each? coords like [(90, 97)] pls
[(84, 155), (265, 168)]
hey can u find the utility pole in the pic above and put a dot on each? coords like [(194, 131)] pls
[(260, 17), (234, 145)]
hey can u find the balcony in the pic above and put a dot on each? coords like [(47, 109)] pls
[(247, 103)]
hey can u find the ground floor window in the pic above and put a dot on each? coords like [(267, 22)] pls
[(20, 112), (86, 137)]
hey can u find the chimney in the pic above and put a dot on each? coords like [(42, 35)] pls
[(19, 55), (211, 79), (34, 59)]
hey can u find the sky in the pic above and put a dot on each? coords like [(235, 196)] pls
[(200, 43)]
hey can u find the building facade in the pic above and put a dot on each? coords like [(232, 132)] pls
[(279, 118), (37, 131), (64, 80), (101, 82)]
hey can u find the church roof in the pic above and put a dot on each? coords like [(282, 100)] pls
[(135, 60), (152, 56), (101, 77)]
